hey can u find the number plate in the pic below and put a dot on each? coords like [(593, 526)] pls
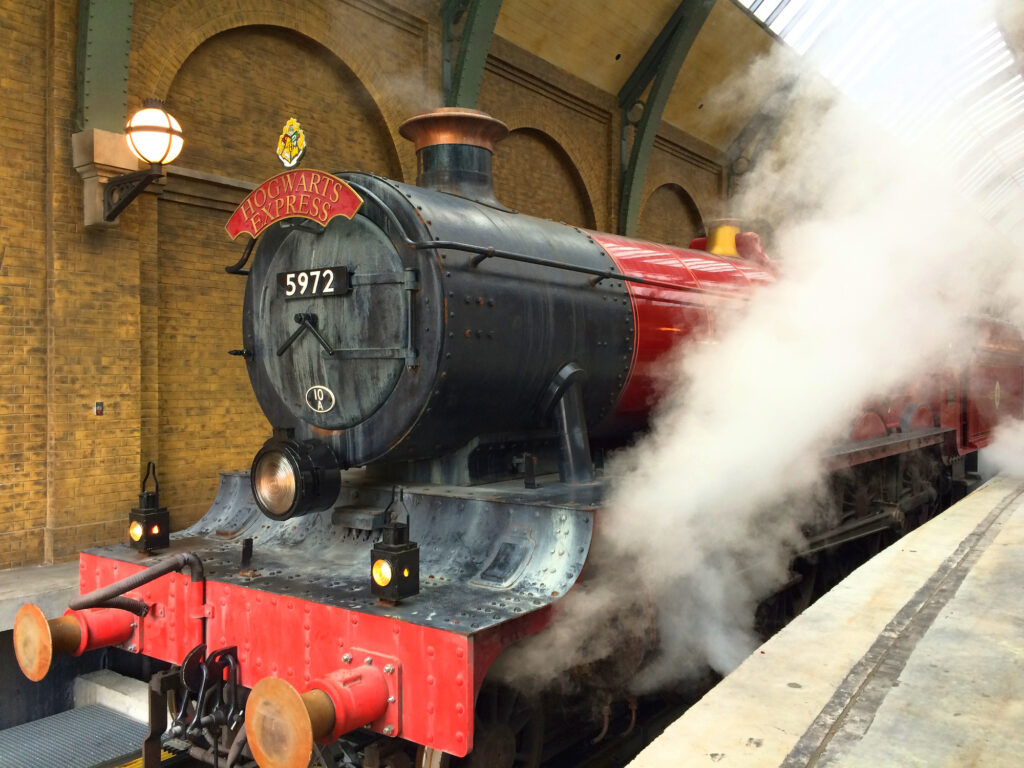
[(313, 283)]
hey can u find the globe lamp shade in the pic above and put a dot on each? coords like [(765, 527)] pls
[(153, 135)]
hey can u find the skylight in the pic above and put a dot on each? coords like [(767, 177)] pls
[(939, 70)]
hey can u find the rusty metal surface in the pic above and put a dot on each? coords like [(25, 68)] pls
[(454, 125), (488, 553), (278, 725), (862, 451), (33, 644)]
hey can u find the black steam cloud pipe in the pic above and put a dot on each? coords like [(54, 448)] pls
[(112, 595)]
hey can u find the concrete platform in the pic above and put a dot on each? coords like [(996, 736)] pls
[(48, 586), (107, 688), (916, 659)]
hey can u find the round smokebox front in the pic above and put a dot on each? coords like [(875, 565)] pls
[(326, 320)]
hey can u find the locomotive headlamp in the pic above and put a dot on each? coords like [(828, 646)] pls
[(153, 136), (395, 565), (290, 478), (274, 483)]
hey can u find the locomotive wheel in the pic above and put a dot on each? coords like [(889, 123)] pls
[(857, 492), (508, 733), (509, 730)]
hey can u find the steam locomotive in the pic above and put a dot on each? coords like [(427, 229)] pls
[(444, 377)]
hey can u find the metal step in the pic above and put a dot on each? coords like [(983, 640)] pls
[(79, 738)]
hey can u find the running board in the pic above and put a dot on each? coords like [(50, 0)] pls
[(855, 529), (852, 453)]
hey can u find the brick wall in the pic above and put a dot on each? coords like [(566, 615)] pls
[(670, 216), (70, 325), (209, 420), (235, 135), (23, 28), (681, 160), (140, 316), (534, 175), (565, 124)]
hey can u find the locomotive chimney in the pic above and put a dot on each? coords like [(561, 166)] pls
[(454, 151)]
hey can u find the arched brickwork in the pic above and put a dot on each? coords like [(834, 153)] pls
[(582, 128), (701, 177), (670, 216), (229, 133), (534, 174), (381, 55)]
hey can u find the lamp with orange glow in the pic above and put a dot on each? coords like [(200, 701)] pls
[(149, 524), (395, 565), (153, 136)]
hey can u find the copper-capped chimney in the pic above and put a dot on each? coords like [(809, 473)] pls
[(454, 151)]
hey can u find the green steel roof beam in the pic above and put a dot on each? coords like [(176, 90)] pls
[(462, 81), (760, 130), (661, 64), (104, 40)]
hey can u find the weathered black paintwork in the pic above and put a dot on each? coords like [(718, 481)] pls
[(488, 554), (432, 350)]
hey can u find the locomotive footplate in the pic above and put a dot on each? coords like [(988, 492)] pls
[(296, 602)]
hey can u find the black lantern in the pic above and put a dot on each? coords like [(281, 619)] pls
[(149, 524), (395, 565)]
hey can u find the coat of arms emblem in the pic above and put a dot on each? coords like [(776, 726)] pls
[(291, 144)]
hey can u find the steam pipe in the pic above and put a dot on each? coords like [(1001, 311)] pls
[(563, 400), (112, 595), (577, 466)]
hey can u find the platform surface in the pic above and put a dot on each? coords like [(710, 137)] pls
[(48, 586), (916, 659)]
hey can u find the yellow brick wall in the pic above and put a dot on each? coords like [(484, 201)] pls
[(670, 216), (556, 120), (209, 420), (141, 316), (235, 135), (555, 190), (22, 284), (680, 160)]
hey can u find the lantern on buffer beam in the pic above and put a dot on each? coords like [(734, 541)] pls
[(149, 524)]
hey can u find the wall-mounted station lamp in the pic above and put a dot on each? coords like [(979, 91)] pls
[(153, 136)]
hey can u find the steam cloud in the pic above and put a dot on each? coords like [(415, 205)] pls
[(1007, 450), (882, 261)]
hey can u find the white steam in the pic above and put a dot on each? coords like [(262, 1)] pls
[(1007, 450), (883, 261)]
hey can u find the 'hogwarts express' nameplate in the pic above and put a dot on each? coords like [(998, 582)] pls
[(315, 195)]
